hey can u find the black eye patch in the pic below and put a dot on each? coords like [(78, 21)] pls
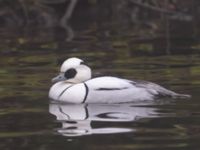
[(71, 73)]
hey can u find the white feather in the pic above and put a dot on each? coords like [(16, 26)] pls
[(81, 88)]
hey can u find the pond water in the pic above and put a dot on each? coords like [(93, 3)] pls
[(28, 120)]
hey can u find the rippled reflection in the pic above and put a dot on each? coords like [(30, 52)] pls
[(78, 119)]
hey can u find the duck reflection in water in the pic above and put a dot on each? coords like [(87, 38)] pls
[(80, 119)]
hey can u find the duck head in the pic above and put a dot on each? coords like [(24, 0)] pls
[(73, 70)]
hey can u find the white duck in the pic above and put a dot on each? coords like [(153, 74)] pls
[(74, 85)]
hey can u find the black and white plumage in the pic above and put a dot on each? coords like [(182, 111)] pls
[(74, 85)]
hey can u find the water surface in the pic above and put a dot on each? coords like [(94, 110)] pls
[(30, 59), (30, 121)]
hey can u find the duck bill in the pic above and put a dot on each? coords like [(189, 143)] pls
[(60, 77)]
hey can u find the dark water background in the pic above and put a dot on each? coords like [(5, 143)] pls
[(123, 39)]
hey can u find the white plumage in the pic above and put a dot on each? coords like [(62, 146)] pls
[(74, 85)]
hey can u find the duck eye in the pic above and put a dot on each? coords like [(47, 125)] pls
[(71, 73)]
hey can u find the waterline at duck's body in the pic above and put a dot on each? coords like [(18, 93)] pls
[(106, 90)]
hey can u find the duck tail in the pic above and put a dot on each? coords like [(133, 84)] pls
[(165, 92), (160, 91), (181, 96)]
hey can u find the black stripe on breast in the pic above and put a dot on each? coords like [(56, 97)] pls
[(64, 91), (109, 89), (86, 92)]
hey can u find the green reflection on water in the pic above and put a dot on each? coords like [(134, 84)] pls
[(25, 81)]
